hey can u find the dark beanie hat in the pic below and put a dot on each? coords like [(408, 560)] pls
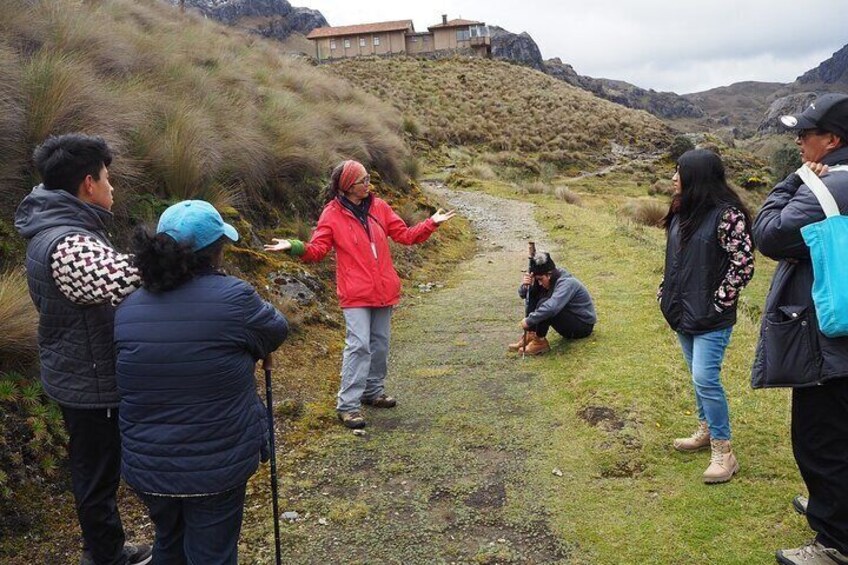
[(541, 264)]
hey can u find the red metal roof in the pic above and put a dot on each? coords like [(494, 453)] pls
[(360, 29), (456, 23)]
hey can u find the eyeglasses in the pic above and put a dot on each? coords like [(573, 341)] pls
[(366, 180), (803, 133)]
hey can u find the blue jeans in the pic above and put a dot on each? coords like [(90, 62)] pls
[(365, 356), (704, 354), (197, 530)]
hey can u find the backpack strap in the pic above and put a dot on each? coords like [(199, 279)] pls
[(819, 190)]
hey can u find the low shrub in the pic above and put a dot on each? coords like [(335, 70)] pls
[(569, 196), (645, 212)]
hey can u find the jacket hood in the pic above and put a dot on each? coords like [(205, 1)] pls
[(43, 209), (836, 157)]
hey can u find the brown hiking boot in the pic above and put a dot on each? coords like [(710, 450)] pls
[(352, 420), (723, 464), (525, 338), (813, 553), (381, 401), (536, 346), (700, 439)]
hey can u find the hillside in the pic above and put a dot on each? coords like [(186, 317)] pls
[(194, 110), (516, 112)]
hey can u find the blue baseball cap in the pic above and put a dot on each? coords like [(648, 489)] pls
[(195, 222)]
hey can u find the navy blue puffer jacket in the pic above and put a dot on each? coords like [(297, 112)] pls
[(191, 420)]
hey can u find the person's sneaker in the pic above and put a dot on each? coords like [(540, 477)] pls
[(813, 553), (381, 401), (799, 503), (525, 338), (700, 439), (140, 554), (537, 346), (352, 420), (723, 464)]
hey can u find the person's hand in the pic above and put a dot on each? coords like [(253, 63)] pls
[(526, 279), (524, 325), (818, 168), (268, 362), (442, 216), (279, 245)]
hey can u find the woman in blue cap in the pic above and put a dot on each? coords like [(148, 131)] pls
[(192, 424)]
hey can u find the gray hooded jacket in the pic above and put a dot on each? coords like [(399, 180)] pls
[(76, 343)]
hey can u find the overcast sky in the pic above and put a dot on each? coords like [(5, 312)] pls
[(668, 45)]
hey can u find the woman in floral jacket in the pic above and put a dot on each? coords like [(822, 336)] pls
[(709, 259)]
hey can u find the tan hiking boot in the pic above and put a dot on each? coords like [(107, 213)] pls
[(536, 346), (813, 553), (723, 464), (700, 439), (528, 336)]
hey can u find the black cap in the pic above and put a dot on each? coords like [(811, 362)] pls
[(541, 264), (828, 112)]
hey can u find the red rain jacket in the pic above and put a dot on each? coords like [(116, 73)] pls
[(365, 275)]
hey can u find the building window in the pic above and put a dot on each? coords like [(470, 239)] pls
[(362, 42), (347, 43), (462, 35), (376, 41), (413, 39), (426, 39), (332, 44)]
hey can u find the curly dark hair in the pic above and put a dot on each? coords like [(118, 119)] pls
[(164, 264)]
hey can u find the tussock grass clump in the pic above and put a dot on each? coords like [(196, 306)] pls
[(18, 316), (645, 212), (567, 195)]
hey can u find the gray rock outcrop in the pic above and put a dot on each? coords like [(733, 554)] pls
[(791, 104), (274, 18), (518, 48)]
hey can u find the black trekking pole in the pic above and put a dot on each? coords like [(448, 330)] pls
[(267, 365), (531, 251)]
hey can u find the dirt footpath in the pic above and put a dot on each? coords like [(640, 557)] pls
[(440, 478)]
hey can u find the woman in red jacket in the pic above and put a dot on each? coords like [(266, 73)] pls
[(358, 226)]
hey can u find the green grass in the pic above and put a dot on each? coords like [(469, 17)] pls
[(633, 365)]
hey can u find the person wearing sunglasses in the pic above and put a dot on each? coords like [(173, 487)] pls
[(358, 225), (793, 351)]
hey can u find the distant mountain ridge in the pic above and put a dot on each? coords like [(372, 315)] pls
[(521, 48), (745, 107)]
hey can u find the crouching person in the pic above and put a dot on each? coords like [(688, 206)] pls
[(556, 300), (192, 424)]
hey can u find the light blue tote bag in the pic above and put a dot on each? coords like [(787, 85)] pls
[(828, 243)]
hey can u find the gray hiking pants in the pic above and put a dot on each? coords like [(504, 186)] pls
[(365, 356)]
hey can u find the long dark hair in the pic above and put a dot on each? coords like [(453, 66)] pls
[(164, 264), (704, 188)]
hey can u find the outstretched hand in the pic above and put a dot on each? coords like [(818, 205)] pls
[(818, 168), (442, 216), (278, 245)]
